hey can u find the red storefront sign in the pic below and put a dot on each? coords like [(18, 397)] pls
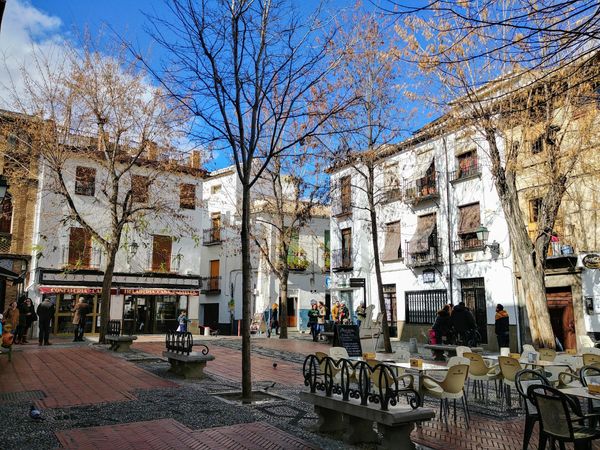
[(69, 290), (144, 291), (113, 291)]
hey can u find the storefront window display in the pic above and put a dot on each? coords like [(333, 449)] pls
[(151, 314), (63, 323)]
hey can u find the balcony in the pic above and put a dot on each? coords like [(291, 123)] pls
[(341, 260), (88, 260), (5, 242), (297, 261), (211, 285), (421, 190), (465, 173), (423, 254), (211, 236), (391, 194), (468, 245)]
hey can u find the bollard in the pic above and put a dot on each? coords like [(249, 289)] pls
[(412, 345)]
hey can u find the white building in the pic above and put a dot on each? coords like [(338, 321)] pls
[(434, 191)]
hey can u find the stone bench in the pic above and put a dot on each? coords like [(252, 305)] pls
[(189, 366), (438, 350), (120, 344), (355, 421)]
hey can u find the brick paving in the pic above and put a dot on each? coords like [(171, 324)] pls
[(74, 376), (169, 434)]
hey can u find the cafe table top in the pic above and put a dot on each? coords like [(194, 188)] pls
[(427, 367), (580, 392), (538, 363)]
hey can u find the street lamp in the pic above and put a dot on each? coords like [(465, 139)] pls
[(482, 234)]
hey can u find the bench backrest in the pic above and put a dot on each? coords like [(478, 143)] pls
[(113, 328), (179, 342)]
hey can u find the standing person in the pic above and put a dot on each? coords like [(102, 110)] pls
[(27, 316), (182, 320), (79, 316), (501, 326), (361, 313), (274, 323), (45, 313), (344, 314), (462, 320), (22, 320), (322, 316), (335, 312), (11, 316), (313, 320), (442, 325)]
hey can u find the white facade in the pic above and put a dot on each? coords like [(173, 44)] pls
[(422, 178)]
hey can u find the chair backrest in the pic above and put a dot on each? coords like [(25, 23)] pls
[(455, 378), (509, 367), (401, 355), (528, 348), (583, 341), (455, 360), (338, 353), (590, 359), (589, 375), (504, 351), (554, 409), (547, 354), (590, 350), (477, 367), (461, 349), (526, 378)]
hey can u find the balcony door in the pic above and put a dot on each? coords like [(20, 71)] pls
[(213, 282), (161, 253), (80, 248)]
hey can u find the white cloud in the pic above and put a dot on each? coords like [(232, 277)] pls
[(25, 30)]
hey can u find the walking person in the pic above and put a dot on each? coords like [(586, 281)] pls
[(344, 314), (11, 317), (79, 317), (274, 322), (463, 322), (322, 315), (45, 313), (361, 313), (313, 320), (182, 320), (501, 327), (335, 312), (27, 316)]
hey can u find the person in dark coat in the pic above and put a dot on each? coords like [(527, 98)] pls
[(442, 325), (313, 320), (501, 327), (462, 320), (26, 318), (45, 313)]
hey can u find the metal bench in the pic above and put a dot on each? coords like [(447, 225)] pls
[(438, 350), (113, 336), (183, 360), (352, 408)]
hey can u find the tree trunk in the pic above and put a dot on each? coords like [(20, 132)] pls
[(375, 241), (105, 296), (283, 298), (246, 295)]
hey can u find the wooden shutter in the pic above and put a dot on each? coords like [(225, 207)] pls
[(420, 240), (469, 219), (139, 188), (161, 253), (391, 250), (85, 181), (187, 196), (80, 247)]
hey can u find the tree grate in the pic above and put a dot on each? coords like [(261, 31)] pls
[(9, 397)]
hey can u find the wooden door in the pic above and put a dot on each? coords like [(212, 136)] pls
[(213, 282), (161, 253), (292, 303), (80, 247), (560, 305)]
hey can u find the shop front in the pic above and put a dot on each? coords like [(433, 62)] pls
[(65, 299), (153, 311)]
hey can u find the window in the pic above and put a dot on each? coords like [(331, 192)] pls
[(537, 146), (347, 241), (468, 222), (161, 253), (425, 236), (392, 249), (6, 216), (213, 280), (187, 196), (472, 292), (215, 189), (345, 194), (85, 181), (326, 250), (467, 165), (139, 188), (389, 297), (80, 247), (391, 182), (535, 207), (422, 306)]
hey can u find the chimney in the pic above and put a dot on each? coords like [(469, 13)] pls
[(195, 159)]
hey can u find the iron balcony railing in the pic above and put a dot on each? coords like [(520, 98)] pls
[(469, 171), (422, 189), (341, 259), (468, 244), (211, 236), (424, 253), (211, 285), (392, 193)]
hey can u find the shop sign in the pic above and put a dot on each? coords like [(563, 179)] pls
[(141, 291), (591, 261), (429, 276), (69, 290)]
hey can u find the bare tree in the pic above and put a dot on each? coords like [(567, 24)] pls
[(100, 108), (515, 73), (245, 70), (370, 71)]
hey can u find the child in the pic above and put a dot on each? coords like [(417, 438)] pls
[(7, 336), (182, 320)]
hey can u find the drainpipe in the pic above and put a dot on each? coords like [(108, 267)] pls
[(449, 225)]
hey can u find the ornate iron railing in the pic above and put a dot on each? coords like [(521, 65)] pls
[(113, 328), (182, 343), (356, 380)]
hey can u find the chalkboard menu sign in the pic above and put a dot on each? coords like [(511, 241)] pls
[(347, 336)]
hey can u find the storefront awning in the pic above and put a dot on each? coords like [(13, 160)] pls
[(8, 274), (420, 240), (116, 291)]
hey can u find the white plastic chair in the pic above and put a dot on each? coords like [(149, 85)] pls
[(504, 351), (528, 348), (461, 349), (338, 353), (583, 341)]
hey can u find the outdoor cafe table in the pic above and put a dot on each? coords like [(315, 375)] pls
[(537, 363), (580, 392)]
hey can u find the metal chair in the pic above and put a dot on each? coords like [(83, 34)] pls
[(523, 380), (560, 418), (451, 387), (590, 375)]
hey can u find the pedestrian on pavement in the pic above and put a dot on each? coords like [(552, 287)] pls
[(501, 326), (344, 314), (335, 312), (182, 320), (79, 317), (11, 316), (45, 313), (313, 320), (462, 320), (27, 316), (361, 313), (442, 325), (274, 322), (322, 316)]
